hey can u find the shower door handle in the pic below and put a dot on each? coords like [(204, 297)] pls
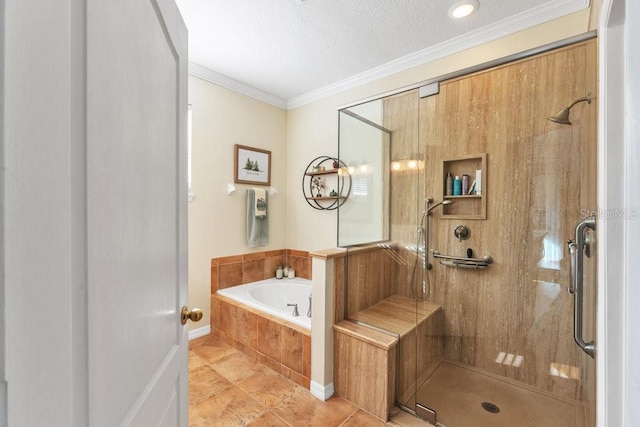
[(578, 248), (571, 244)]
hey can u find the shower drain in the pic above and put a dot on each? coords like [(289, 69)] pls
[(490, 407)]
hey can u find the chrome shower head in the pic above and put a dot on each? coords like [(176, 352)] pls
[(443, 203), (562, 117)]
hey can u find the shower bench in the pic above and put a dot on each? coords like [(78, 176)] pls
[(370, 345)]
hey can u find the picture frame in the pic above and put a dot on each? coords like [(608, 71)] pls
[(251, 165)]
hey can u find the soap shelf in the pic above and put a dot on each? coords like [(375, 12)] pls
[(464, 196), (462, 262)]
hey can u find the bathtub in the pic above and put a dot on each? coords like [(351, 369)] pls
[(272, 296)]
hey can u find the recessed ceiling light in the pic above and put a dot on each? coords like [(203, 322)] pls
[(463, 8)]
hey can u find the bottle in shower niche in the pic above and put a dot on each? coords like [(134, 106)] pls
[(457, 186), (279, 272), (449, 187), (465, 184)]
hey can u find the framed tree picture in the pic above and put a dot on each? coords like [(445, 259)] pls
[(252, 165)]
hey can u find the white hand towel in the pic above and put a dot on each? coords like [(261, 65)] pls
[(260, 202)]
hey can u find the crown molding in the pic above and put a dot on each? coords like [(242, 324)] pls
[(538, 15), (234, 85)]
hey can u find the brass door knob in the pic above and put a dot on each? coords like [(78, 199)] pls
[(193, 315)]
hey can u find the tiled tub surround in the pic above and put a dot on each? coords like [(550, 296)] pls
[(246, 268), (274, 297), (281, 345)]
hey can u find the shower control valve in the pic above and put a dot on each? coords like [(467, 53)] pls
[(461, 232)]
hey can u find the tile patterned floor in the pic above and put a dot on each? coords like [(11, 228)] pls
[(228, 388)]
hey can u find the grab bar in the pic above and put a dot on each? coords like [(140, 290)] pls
[(577, 249), (463, 262)]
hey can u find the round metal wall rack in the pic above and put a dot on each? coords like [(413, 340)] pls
[(324, 167)]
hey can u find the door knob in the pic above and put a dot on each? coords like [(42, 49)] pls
[(193, 315)]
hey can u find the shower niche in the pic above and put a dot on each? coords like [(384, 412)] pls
[(472, 203)]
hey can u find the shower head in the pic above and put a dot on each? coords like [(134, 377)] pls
[(430, 208), (562, 117)]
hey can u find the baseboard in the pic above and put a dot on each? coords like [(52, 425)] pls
[(322, 392), (200, 332)]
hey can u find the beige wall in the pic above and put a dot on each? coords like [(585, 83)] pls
[(222, 118)]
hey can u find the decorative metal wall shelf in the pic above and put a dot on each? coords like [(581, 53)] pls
[(321, 167), (462, 262)]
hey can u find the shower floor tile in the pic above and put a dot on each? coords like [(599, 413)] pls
[(457, 393)]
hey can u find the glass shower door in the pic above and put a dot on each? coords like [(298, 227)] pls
[(507, 354), (407, 165), (383, 260)]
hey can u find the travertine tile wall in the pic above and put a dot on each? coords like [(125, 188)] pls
[(407, 189), (417, 353), (539, 178), (373, 273), (371, 281), (364, 369)]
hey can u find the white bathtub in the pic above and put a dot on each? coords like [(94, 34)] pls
[(272, 296)]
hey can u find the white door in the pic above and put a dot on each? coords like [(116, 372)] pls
[(619, 208), (95, 209), (136, 213)]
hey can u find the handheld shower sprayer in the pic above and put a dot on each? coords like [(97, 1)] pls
[(428, 207), (424, 226), (422, 246)]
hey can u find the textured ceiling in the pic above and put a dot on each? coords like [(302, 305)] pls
[(289, 48)]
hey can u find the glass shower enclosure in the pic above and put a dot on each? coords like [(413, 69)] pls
[(365, 150), (493, 344)]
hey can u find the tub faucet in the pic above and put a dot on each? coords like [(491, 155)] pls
[(295, 309), (309, 311)]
